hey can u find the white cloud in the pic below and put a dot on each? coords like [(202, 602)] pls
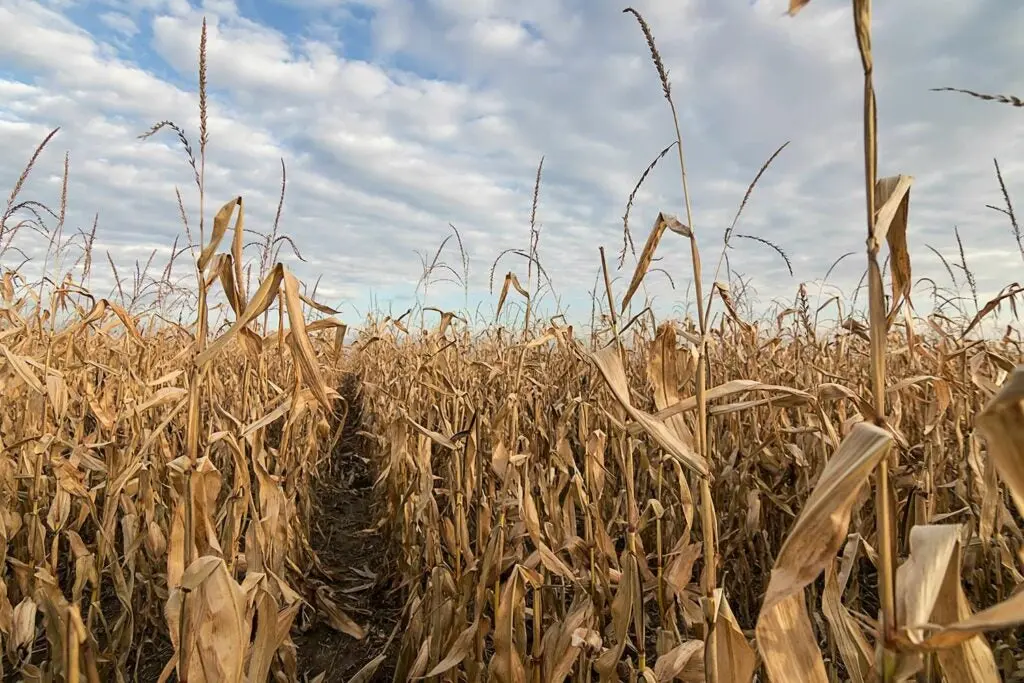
[(498, 35), (397, 118), (120, 23)]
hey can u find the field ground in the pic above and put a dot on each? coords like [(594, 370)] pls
[(355, 558)]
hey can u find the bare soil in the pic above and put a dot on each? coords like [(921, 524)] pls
[(356, 564)]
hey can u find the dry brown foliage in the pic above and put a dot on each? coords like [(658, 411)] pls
[(113, 531), (546, 528)]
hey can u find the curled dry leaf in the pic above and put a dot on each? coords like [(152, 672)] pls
[(850, 640), (610, 365), (661, 223), (219, 637), (459, 650), (667, 371), (22, 370), (784, 635), (564, 641), (736, 660), (796, 5), (729, 388), (1002, 424), (929, 591), (507, 663), (23, 628), (683, 662), (365, 674), (622, 615), (221, 221), (272, 632), (892, 196), (336, 617), (510, 281), (260, 302), (309, 372)]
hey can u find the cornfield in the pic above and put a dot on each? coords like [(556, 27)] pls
[(718, 499)]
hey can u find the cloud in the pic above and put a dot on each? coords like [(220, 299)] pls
[(119, 23), (395, 119)]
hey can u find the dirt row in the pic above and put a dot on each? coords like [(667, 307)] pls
[(355, 559)]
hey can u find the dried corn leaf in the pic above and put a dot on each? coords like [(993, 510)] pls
[(647, 255), (220, 227), (301, 347), (22, 370), (162, 396), (510, 281), (272, 627), (261, 301), (622, 615), (219, 634), (610, 365), (892, 196), (929, 591), (666, 375), (729, 388), (99, 309), (458, 651), (1002, 425), (736, 660), (681, 663), (561, 646), (854, 648), (336, 617), (796, 5), (784, 635), (506, 665)]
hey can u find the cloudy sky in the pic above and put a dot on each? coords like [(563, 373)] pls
[(396, 118)]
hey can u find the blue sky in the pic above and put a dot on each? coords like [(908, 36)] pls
[(398, 118)]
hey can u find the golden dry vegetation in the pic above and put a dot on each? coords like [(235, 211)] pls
[(667, 501)]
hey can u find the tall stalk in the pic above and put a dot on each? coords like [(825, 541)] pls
[(876, 306), (532, 258), (707, 508)]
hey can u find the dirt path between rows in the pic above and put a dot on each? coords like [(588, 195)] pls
[(356, 559)]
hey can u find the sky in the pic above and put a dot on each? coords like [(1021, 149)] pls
[(397, 119)]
